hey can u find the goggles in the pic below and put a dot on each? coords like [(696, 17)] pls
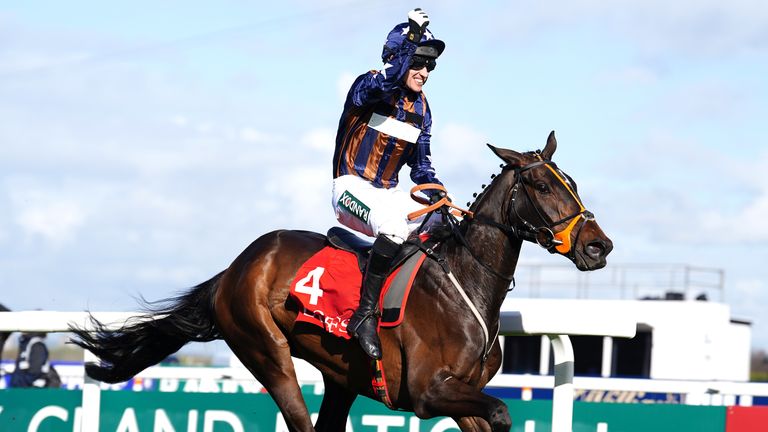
[(419, 62)]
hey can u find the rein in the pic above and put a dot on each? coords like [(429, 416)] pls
[(450, 216)]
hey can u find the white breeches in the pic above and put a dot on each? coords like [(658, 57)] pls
[(372, 211)]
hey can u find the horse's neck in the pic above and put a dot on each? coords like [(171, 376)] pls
[(495, 249)]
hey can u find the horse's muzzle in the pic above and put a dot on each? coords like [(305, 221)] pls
[(599, 249), (592, 257)]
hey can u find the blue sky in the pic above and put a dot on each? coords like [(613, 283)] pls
[(143, 146)]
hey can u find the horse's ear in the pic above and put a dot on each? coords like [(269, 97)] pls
[(509, 156), (550, 148)]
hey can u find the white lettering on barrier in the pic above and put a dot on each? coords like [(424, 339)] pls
[(413, 424), (382, 422), (530, 426), (251, 386), (168, 385), (202, 385), (227, 417), (128, 421), (602, 427), (281, 426), (192, 421), (209, 385), (162, 422), (47, 412), (444, 424)]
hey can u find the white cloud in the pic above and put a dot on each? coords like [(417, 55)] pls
[(252, 135), (26, 61), (683, 192), (322, 139), (174, 276), (632, 75), (690, 28), (55, 220), (460, 148), (745, 225), (179, 120), (705, 101), (742, 223), (303, 198), (343, 84), (204, 127)]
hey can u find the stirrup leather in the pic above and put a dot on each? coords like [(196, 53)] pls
[(370, 314)]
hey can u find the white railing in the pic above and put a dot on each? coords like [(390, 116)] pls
[(553, 318), (620, 281)]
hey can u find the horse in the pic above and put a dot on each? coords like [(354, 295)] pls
[(437, 363)]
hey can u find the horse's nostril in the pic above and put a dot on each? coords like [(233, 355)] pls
[(596, 249)]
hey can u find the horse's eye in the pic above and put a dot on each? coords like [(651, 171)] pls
[(541, 187)]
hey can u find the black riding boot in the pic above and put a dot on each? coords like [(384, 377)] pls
[(365, 320)]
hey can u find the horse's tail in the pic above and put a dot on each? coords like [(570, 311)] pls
[(146, 340)]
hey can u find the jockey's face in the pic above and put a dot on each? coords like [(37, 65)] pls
[(416, 78)]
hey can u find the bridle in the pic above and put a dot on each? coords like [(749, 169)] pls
[(544, 234)]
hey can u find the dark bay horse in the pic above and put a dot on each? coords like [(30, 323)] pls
[(437, 361)]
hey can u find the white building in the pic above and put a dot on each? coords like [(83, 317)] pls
[(685, 330), (676, 339)]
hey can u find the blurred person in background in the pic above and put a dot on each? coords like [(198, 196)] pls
[(3, 337), (33, 367)]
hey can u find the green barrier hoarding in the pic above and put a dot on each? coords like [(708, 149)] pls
[(43, 410), (58, 410)]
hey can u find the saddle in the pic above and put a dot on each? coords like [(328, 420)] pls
[(346, 240), (327, 286)]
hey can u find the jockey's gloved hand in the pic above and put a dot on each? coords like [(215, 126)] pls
[(437, 196), (417, 23)]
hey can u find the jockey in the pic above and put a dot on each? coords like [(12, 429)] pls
[(386, 124)]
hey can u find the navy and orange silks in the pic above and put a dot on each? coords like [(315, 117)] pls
[(385, 126)]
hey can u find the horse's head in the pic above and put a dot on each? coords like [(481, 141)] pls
[(543, 206)]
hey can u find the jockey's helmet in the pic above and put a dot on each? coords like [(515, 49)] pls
[(428, 46)]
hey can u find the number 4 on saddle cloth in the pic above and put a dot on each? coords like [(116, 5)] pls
[(327, 286)]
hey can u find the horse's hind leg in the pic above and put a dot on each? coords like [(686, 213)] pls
[(335, 408), (264, 350)]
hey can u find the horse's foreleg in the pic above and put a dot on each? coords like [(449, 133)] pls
[(334, 410), (449, 396), (472, 424)]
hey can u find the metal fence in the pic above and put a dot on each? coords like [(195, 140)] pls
[(621, 281)]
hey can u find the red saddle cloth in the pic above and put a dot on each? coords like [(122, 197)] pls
[(327, 289)]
